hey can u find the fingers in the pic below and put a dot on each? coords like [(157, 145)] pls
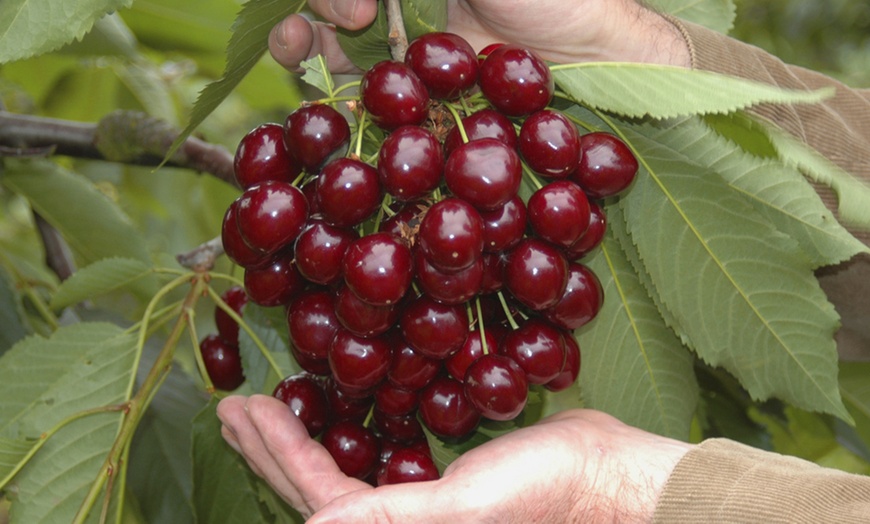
[(350, 14), (398, 503), (296, 39)]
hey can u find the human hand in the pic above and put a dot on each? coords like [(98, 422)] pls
[(577, 465), (563, 31)]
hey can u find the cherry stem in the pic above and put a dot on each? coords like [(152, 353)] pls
[(398, 39), (197, 353), (345, 87), (481, 327), (528, 172), (507, 311), (360, 129), (458, 121)]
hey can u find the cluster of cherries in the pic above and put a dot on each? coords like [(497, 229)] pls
[(220, 351), (419, 286)]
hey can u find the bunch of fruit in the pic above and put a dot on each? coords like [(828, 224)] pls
[(419, 286)]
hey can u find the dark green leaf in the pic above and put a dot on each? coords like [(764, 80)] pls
[(12, 318), (103, 276), (270, 326), (317, 74), (855, 388)]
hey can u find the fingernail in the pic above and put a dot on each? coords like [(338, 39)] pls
[(344, 9)]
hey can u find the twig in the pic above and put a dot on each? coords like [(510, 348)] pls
[(398, 38), (58, 256), (202, 257)]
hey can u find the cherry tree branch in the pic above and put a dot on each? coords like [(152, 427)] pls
[(398, 38)]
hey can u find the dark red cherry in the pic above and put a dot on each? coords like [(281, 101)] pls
[(271, 215), (493, 273), (485, 173), (378, 268), (451, 234), (315, 366), (483, 53), (606, 166), (571, 370), (486, 123), (312, 323), (450, 288), (536, 273), (410, 163), (344, 407), (446, 410), (516, 81), (433, 329), (581, 301), (407, 465), (471, 350), (362, 318), (593, 236), (227, 328), (307, 400), (275, 284), (353, 447), (358, 364), (315, 134), (539, 349), (404, 429), (234, 245), (559, 212), (394, 401), (445, 62), (503, 227), (549, 143), (222, 362), (261, 156), (348, 192), (319, 250), (497, 387), (410, 369), (405, 220), (393, 95)]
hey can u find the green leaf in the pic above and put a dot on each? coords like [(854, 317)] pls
[(855, 388), (144, 82), (45, 381), (638, 90), (714, 14), (33, 27), (12, 452), (248, 43), (109, 36), (101, 277), (225, 491), (270, 326), (742, 293), (12, 317), (317, 74), (633, 366), (198, 27), (423, 16)]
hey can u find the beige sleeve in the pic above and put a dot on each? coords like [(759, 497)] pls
[(723, 481)]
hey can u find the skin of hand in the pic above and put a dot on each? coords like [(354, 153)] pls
[(563, 31), (577, 465)]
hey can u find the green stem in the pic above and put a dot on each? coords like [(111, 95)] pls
[(458, 121), (360, 129), (528, 172), (197, 353), (481, 327), (507, 311)]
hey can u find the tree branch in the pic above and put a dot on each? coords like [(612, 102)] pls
[(398, 38)]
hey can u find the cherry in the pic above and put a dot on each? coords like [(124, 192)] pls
[(307, 400), (581, 301), (353, 447), (485, 173), (486, 123), (395, 401), (320, 249), (606, 165), (407, 465), (559, 212), (275, 284), (483, 53), (571, 370), (549, 143), (271, 215), (497, 387), (228, 329), (410, 163), (222, 362), (410, 369), (446, 410), (539, 349), (261, 156), (234, 245), (504, 226), (433, 329), (516, 81), (315, 366), (358, 364), (362, 318), (404, 429), (451, 235), (493, 273), (393, 95), (448, 288), (348, 192), (315, 134), (378, 268), (471, 350), (593, 236), (536, 273), (312, 323), (445, 63), (344, 407), (405, 220)]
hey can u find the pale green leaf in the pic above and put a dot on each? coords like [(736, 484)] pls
[(638, 90), (317, 74), (12, 318), (249, 41), (633, 366), (270, 326), (714, 14), (109, 36), (424, 16), (855, 388), (198, 27), (145, 83), (743, 293), (101, 277), (33, 27), (12, 452)]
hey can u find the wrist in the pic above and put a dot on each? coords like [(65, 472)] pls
[(645, 36)]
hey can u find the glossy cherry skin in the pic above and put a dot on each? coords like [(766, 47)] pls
[(536, 273), (446, 410), (305, 397), (362, 318), (348, 192), (319, 250), (275, 284), (493, 273), (358, 364), (549, 143), (410, 163), (394, 401), (353, 447), (407, 465), (433, 329), (227, 328), (404, 429), (445, 62), (271, 215), (497, 387), (261, 156), (539, 349), (568, 376), (410, 369), (606, 165), (393, 95), (315, 366), (344, 407), (485, 173), (451, 235), (503, 227), (592, 237), (378, 268), (486, 123), (234, 245), (559, 212), (489, 48), (516, 81), (448, 288), (222, 362), (471, 350), (581, 301), (312, 323), (315, 134)]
